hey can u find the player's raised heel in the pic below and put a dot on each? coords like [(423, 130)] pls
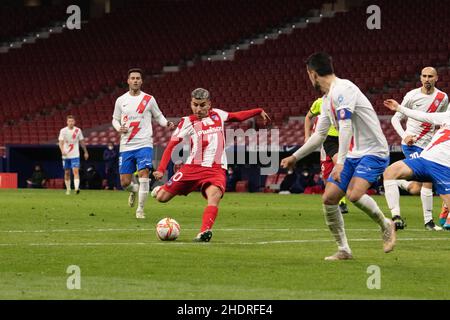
[(430, 225), (400, 224), (340, 255), (131, 199), (140, 213), (389, 237), (204, 236)]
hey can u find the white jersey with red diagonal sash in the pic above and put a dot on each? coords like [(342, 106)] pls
[(416, 100), (71, 138), (438, 150), (207, 138), (136, 113)]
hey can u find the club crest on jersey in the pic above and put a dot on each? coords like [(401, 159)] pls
[(340, 98), (215, 117)]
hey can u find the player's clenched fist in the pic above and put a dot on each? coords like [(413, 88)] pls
[(158, 175), (123, 129), (170, 125), (288, 162)]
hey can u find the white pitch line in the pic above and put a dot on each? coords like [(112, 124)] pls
[(74, 244), (191, 229)]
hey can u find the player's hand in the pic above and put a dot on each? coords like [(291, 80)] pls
[(289, 162), (336, 174), (158, 175), (123, 129), (410, 140), (64, 154), (265, 117), (170, 125), (86, 156), (391, 104)]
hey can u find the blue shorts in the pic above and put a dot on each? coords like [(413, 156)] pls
[(71, 163), (139, 158), (369, 168), (428, 171), (411, 152)]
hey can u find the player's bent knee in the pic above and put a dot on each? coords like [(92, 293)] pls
[(353, 196), (390, 173), (163, 196), (329, 200), (160, 198), (414, 188)]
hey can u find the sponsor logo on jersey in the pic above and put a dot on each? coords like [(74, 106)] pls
[(209, 131)]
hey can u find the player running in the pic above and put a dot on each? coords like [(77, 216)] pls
[(417, 136), (205, 167), (361, 159), (330, 147), (70, 138), (133, 113), (433, 163)]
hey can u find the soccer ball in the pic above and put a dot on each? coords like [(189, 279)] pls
[(167, 229)]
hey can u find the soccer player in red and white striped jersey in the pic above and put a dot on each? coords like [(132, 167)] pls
[(205, 167)]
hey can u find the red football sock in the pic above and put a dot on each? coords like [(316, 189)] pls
[(209, 216)]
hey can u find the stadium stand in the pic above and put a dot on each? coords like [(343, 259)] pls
[(82, 72)]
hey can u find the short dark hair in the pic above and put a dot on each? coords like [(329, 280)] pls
[(320, 62), (70, 117), (201, 94), (138, 70)]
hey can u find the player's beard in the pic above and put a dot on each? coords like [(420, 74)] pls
[(317, 87)]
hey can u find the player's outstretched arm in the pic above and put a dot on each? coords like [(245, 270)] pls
[(159, 173), (314, 142), (247, 114), (434, 118)]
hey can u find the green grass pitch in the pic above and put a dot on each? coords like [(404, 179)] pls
[(265, 246)]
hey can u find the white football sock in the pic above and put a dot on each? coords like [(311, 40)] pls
[(132, 187), (392, 195), (370, 207), (426, 195), (335, 223), (76, 183), (67, 182), (403, 184), (144, 187)]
